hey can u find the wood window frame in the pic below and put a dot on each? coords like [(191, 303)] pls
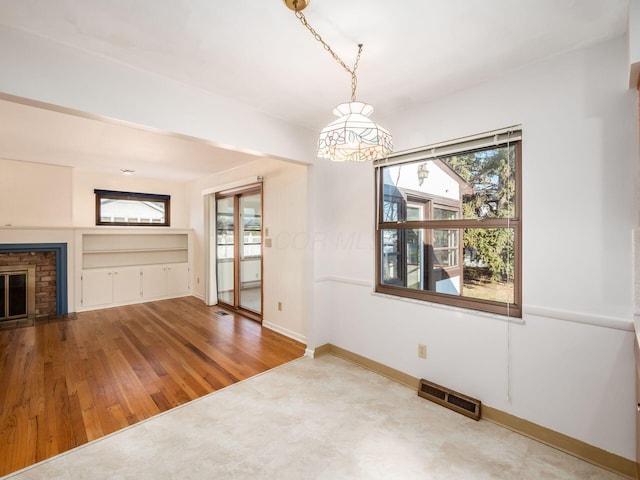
[(132, 196), (513, 309)]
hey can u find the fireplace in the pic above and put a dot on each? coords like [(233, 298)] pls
[(17, 292), (33, 280)]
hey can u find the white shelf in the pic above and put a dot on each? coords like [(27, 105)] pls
[(134, 250), (106, 250), (133, 241)]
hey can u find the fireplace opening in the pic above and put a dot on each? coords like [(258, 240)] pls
[(50, 260), (17, 292)]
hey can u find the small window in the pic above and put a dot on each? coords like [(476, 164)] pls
[(449, 223), (134, 209)]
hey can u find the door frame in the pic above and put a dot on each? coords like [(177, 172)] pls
[(236, 193)]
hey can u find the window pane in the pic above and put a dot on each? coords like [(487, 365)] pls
[(444, 214), (414, 212), (489, 264), (481, 182), (445, 258), (131, 208), (491, 175), (403, 258), (390, 209), (131, 211), (419, 182), (486, 271), (445, 238), (390, 261), (415, 255)]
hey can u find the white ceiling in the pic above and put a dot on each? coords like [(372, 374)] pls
[(414, 51), (37, 133)]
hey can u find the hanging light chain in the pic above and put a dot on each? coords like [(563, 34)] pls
[(354, 79), (351, 71)]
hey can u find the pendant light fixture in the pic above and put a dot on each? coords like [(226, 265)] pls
[(352, 136)]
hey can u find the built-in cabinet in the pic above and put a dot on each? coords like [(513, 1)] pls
[(112, 285), (164, 280), (121, 268)]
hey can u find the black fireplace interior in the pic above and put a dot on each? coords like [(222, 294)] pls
[(16, 301), (13, 296)]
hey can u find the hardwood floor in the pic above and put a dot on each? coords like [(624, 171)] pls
[(68, 382)]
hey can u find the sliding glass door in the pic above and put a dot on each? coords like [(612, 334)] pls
[(239, 250), (225, 226), (251, 252)]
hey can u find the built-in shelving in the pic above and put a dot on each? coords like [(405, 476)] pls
[(121, 250), (119, 268)]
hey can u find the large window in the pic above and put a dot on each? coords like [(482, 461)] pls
[(130, 208), (449, 223)]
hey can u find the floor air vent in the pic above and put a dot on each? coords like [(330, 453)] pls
[(448, 398), (220, 312)]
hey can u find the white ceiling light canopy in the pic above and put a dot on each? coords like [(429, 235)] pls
[(352, 136)]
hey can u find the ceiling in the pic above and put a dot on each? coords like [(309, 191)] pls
[(414, 51), (38, 133)]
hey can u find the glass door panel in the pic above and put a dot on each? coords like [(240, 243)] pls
[(225, 249), (415, 249), (17, 295), (250, 236), (3, 304), (239, 250)]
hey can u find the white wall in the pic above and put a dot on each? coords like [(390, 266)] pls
[(34, 195), (580, 157), (285, 263), (84, 203), (38, 195), (633, 33)]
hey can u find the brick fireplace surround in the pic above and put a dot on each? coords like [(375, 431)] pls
[(50, 260)]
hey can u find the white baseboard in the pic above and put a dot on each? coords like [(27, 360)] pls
[(286, 332)]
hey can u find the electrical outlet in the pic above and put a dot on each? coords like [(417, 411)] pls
[(422, 351), (279, 306)]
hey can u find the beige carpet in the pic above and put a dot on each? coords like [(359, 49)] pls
[(314, 419)]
